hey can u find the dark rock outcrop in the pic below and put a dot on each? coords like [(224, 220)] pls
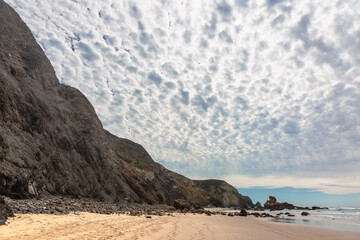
[(52, 142), (305, 214), (318, 208), (224, 193), (181, 204), (5, 211), (258, 205), (272, 204), (243, 212)]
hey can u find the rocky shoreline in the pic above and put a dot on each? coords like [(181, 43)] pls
[(272, 204), (63, 205), (59, 205)]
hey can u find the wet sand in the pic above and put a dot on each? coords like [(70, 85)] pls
[(178, 226)]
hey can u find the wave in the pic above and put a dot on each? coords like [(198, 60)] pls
[(344, 208)]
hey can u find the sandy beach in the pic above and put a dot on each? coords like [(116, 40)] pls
[(178, 226)]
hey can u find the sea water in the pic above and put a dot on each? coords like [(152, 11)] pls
[(342, 218)]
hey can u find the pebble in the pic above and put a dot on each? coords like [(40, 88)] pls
[(61, 205)]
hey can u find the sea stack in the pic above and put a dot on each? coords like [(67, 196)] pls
[(272, 204)]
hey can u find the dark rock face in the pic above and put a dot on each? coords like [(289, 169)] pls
[(272, 204), (52, 142), (224, 193), (5, 211)]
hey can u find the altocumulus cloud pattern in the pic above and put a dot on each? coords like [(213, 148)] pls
[(248, 91)]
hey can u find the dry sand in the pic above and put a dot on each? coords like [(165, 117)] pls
[(179, 226)]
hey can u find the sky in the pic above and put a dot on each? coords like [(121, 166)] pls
[(263, 94), (302, 197)]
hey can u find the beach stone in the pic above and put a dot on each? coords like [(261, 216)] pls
[(181, 204), (5, 211), (305, 214), (256, 214), (243, 213)]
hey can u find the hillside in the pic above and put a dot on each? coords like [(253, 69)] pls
[(226, 194)]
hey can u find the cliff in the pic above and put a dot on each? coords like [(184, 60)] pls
[(226, 194)]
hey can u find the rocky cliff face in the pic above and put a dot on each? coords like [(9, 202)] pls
[(52, 142), (226, 194)]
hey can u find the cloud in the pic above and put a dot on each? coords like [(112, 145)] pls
[(242, 3), (272, 3), (187, 36), (221, 88), (87, 54), (210, 28), (203, 104), (185, 97), (225, 11), (156, 78), (291, 127), (324, 185), (225, 36), (134, 11)]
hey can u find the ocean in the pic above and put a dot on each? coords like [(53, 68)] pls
[(342, 218)]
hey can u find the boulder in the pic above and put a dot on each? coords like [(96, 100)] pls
[(305, 214), (5, 211), (243, 213), (181, 204)]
